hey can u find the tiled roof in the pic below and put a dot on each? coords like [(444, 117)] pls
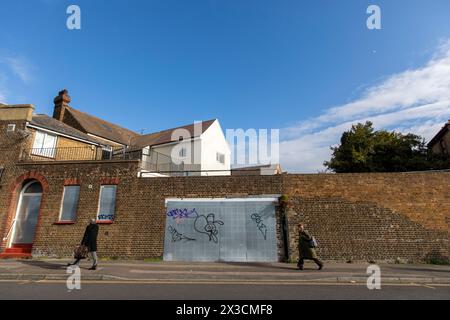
[(102, 128), (165, 136), (441, 132), (46, 122)]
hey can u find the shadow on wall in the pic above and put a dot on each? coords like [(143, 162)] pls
[(363, 231), (437, 257)]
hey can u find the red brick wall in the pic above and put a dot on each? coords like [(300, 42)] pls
[(372, 216), (353, 216)]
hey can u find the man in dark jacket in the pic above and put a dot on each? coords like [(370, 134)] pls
[(305, 249), (90, 241)]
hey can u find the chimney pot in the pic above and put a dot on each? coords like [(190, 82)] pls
[(63, 96), (61, 101)]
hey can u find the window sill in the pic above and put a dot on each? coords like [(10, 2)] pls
[(64, 222), (104, 221)]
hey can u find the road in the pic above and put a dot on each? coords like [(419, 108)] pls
[(48, 289)]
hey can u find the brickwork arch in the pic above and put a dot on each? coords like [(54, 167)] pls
[(14, 191)]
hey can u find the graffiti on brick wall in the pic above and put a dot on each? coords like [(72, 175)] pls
[(208, 225), (177, 236), (260, 224), (106, 217)]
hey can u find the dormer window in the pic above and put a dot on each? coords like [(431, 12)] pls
[(44, 145)]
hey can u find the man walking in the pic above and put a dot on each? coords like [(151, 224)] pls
[(306, 248), (90, 241)]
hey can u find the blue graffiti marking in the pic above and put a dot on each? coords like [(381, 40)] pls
[(181, 213)]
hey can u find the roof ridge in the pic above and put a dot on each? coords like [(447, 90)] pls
[(98, 118), (170, 129)]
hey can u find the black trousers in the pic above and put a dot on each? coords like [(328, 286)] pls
[(301, 262)]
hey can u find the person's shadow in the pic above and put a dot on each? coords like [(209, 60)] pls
[(45, 264)]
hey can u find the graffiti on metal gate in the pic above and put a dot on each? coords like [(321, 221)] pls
[(177, 236), (260, 224), (181, 213), (208, 225)]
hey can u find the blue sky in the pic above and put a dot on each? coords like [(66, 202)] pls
[(308, 68)]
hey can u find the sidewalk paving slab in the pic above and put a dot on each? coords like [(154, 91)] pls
[(135, 271)]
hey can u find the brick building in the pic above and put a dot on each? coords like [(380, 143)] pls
[(440, 143), (46, 199)]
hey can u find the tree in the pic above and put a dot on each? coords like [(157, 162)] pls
[(363, 149)]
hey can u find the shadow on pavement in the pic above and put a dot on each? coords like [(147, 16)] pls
[(45, 264), (287, 266)]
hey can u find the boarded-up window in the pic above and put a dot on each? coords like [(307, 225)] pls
[(107, 203), (70, 203)]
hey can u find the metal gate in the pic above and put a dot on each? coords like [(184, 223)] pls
[(238, 230)]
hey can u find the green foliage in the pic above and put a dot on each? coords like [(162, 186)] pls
[(157, 259), (363, 149)]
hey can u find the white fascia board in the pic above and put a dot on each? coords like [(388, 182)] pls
[(107, 140), (240, 199)]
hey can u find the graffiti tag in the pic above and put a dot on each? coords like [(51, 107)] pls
[(177, 214), (176, 236), (208, 225), (260, 224)]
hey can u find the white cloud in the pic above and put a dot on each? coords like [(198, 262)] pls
[(2, 88), (20, 67), (416, 101), (15, 72)]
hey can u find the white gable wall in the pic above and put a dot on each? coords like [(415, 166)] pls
[(213, 141)]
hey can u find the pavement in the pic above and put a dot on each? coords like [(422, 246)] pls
[(226, 273)]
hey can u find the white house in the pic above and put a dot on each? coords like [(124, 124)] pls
[(196, 149)]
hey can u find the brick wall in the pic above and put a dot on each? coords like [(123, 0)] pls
[(372, 216), (353, 216)]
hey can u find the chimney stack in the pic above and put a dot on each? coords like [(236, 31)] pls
[(61, 101)]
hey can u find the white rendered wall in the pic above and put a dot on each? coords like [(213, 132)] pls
[(213, 140)]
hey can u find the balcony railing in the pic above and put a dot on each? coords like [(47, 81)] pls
[(150, 161), (76, 153)]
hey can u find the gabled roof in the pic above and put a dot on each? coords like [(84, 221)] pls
[(46, 122), (439, 135), (102, 128), (165, 136)]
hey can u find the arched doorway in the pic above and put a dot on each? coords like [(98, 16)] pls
[(26, 217)]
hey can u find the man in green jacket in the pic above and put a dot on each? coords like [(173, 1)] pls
[(305, 248)]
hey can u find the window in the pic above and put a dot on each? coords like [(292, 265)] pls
[(220, 157), (182, 152), (44, 144), (106, 153), (70, 203), (11, 128), (107, 203)]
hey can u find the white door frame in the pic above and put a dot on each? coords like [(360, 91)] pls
[(19, 204)]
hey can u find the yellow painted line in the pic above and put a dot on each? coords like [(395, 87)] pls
[(222, 282), (428, 286)]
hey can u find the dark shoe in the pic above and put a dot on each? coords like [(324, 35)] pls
[(300, 267), (69, 264), (93, 268), (320, 266)]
